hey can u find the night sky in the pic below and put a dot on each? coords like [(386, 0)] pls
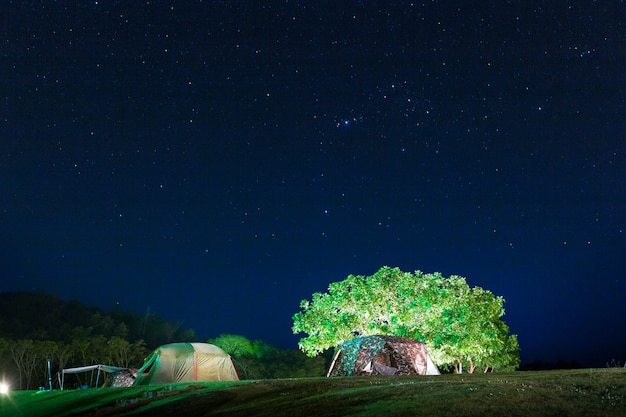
[(216, 162)]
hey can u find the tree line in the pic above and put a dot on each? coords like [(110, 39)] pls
[(36, 328)]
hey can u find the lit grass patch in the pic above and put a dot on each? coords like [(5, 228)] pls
[(591, 392)]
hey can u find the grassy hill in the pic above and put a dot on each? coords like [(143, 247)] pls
[(583, 392)]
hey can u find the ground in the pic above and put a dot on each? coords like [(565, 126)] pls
[(584, 392)]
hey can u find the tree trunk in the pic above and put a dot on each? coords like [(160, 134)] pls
[(472, 367), (458, 366)]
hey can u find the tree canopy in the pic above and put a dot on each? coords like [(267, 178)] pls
[(461, 326), (257, 359)]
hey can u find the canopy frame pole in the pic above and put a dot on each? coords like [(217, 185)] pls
[(332, 365), (97, 377)]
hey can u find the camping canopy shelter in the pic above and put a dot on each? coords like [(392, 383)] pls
[(382, 355), (186, 362), (99, 368)]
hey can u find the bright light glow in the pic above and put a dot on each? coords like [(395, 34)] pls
[(4, 388)]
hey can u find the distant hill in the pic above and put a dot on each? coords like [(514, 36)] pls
[(40, 316)]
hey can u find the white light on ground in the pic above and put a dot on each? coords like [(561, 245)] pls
[(4, 388)]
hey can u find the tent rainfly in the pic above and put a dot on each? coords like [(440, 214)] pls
[(382, 355), (186, 362), (81, 369)]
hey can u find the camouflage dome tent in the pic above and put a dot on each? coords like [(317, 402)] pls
[(186, 362), (382, 355)]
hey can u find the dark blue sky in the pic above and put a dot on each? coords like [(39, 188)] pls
[(217, 162)]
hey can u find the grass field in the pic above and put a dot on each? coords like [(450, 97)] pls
[(583, 392)]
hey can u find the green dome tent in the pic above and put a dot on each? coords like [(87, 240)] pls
[(186, 362)]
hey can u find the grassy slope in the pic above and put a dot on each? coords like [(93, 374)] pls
[(590, 392)]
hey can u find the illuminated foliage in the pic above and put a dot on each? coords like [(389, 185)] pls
[(260, 360), (461, 326), (235, 345)]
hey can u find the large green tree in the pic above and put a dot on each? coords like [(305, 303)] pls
[(461, 326)]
